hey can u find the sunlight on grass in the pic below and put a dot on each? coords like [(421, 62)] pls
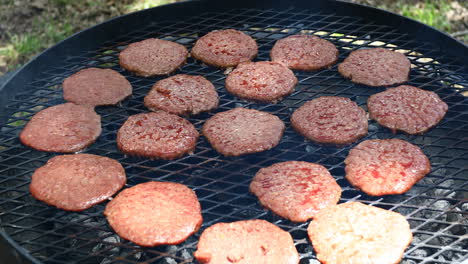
[(428, 12), (144, 4), (45, 34)]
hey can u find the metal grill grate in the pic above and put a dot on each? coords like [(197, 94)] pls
[(436, 207)]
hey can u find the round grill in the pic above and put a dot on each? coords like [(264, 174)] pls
[(436, 207)]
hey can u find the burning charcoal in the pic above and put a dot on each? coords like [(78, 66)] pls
[(441, 205), (448, 191), (456, 215), (109, 240), (419, 253), (464, 207), (168, 261), (408, 261), (185, 254), (171, 249), (311, 261)]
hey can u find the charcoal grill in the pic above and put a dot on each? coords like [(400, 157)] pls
[(436, 207)]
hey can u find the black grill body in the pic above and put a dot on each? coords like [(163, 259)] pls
[(436, 207)]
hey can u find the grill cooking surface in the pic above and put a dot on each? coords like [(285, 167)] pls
[(436, 207)]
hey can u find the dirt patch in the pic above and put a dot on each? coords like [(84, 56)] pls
[(27, 27)]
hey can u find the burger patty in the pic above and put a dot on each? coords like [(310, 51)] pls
[(264, 81), (77, 182), (152, 57), (182, 95), (386, 166), (295, 190), (357, 233), (157, 135), (243, 131), (330, 120), (155, 213), (93, 86), (225, 48), (304, 52), (62, 128), (376, 67), (246, 242), (407, 108)]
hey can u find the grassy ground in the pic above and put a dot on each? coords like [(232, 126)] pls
[(29, 26)]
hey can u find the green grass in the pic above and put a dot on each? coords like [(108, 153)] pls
[(44, 34), (144, 4), (428, 12)]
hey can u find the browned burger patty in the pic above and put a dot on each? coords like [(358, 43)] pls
[(330, 120), (155, 213), (386, 166), (295, 190), (77, 182), (304, 52), (243, 131), (264, 81), (246, 242), (157, 135), (182, 95), (357, 233), (152, 57), (407, 108), (376, 67), (93, 86), (225, 48), (62, 128)]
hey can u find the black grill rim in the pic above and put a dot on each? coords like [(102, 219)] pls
[(91, 38)]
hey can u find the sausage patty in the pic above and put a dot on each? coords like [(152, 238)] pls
[(376, 67), (243, 131), (225, 48), (357, 233), (304, 52), (182, 95), (152, 57), (407, 108), (77, 182), (155, 213), (246, 242), (386, 166), (295, 190), (62, 128), (330, 120), (264, 81), (157, 135), (93, 86)]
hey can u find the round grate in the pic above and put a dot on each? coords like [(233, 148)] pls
[(436, 207)]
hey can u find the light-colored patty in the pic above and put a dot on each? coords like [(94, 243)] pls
[(243, 131), (77, 182), (182, 95), (407, 108), (357, 233), (225, 48), (264, 81), (376, 67), (295, 190), (246, 242), (386, 166), (304, 52), (155, 213), (330, 120), (157, 135), (152, 57), (93, 86), (62, 128)]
